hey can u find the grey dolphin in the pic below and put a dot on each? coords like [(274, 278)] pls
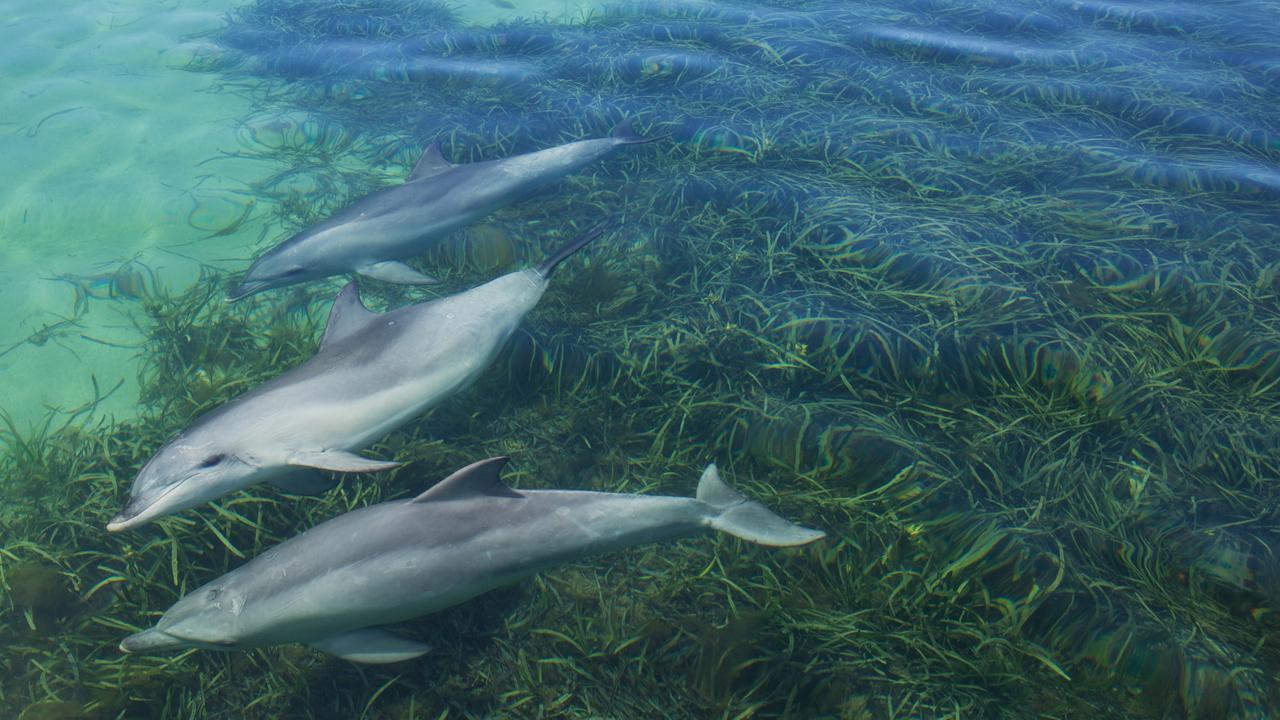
[(331, 586), (373, 373), (372, 235)]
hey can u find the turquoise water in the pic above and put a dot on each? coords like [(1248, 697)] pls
[(985, 291), (111, 157)]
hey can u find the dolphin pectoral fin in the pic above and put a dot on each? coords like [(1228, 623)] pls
[(735, 514), (305, 482), (395, 272), (431, 163), (371, 645), (338, 461)]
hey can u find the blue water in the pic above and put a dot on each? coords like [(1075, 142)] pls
[(985, 291)]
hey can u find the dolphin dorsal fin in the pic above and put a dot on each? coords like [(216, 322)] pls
[(478, 478), (431, 163), (347, 316)]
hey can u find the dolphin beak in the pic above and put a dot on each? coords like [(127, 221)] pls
[(148, 640), (126, 518), (247, 288), (139, 511), (133, 515), (120, 522)]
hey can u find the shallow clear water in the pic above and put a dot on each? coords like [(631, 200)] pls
[(986, 291), (111, 146)]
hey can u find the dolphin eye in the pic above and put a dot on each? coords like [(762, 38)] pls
[(212, 460)]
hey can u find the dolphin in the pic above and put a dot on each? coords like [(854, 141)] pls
[(333, 585), (372, 235), (372, 374)]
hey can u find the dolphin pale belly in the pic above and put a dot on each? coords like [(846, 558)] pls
[(331, 586), (373, 235), (373, 373)]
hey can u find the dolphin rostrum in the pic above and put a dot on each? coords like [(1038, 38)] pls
[(372, 374), (371, 236), (331, 586)]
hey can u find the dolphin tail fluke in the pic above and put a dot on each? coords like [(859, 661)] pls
[(748, 519), (623, 132), (549, 265)]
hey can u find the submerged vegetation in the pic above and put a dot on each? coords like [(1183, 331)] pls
[(987, 291)]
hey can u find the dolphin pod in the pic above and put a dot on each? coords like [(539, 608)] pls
[(373, 373), (371, 236), (333, 585)]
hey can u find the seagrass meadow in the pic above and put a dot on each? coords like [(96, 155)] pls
[(988, 291)]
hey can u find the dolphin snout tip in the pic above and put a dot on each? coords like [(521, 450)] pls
[(147, 640), (248, 286), (122, 521)]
